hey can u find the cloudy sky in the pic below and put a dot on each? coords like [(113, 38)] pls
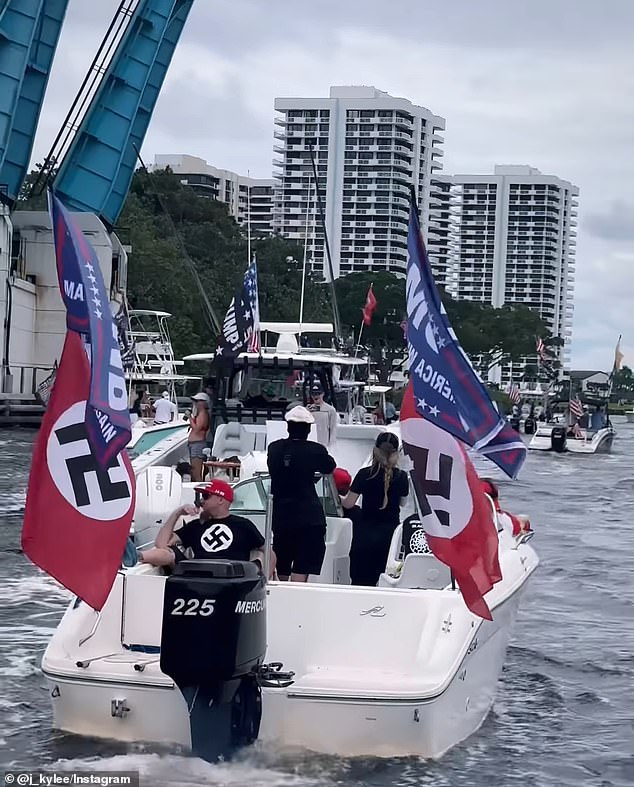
[(548, 83)]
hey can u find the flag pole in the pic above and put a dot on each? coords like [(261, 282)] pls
[(249, 219), (301, 299), (335, 306), (356, 349)]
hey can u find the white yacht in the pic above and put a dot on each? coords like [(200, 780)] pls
[(403, 668), (148, 355), (400, 669)]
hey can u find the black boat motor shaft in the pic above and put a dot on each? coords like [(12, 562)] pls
[(212, 645)]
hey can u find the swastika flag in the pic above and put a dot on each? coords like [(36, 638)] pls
[(78, 512), (80, 499), (455, 513)]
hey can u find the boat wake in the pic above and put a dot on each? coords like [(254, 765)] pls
[(166, 771)]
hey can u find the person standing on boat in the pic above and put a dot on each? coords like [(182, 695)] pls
[(299, 522), (197, 438), (165, 410), (326, 417), (383, 489)]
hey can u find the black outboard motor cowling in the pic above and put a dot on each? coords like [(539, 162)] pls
[(558, 439), (213, 642), (530, 427), (515, 423)]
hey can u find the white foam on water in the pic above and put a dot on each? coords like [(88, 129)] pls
[(13, 502), (164, 770), (38, 589)]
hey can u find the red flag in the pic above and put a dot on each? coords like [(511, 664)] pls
[(370, 306), (78, 514), (456, 515)]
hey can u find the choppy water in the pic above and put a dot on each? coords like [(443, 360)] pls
[(564, 713)]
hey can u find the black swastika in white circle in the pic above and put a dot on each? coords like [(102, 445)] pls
[(216, 538), (80, 466), (426, 486), (102, 493)]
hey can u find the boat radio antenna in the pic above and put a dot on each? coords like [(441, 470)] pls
[(331, 273), (209, 312), (305, 259)]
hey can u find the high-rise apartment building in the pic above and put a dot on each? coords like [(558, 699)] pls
[(236, 191), (516, 243), (369, 148)]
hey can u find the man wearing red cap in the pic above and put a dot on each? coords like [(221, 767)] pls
[(214, 535)]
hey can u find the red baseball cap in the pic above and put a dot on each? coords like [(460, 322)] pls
[(217, 487), (342, 478)]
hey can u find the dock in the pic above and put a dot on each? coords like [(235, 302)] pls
[(20, 410)]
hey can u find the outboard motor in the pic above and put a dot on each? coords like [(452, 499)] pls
[(212, 645), (530, 426), (515, 423), (558, 439)]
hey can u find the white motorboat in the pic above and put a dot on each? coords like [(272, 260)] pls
[(403, 668), (629, 416), (558, 438), (148, 355)]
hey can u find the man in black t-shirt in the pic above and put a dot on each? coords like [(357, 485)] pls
[(214, 535), (299, 523)]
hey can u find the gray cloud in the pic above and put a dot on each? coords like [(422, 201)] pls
[(616, 223)]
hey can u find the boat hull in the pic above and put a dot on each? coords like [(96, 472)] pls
[(378, 672), (597, 442), (423, 727)]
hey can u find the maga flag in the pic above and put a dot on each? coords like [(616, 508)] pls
[(456, 515), (446, 388), (80, 498), (240, 329), (88, 313), (370, 306)]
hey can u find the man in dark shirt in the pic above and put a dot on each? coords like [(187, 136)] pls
[(299, 523), (214, 535)]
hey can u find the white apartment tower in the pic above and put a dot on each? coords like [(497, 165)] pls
[(236, 191), (369, 148), (516, 243)]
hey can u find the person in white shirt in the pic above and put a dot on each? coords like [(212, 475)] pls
[(326, 418), (164, 409)]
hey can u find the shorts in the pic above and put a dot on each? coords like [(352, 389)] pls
[(299, 550), (196, 448)]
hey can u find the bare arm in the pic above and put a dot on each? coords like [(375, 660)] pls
[(166, 535), (349, 500), (333, 422)]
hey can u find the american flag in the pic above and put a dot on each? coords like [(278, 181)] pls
[(513, 393), (576, 408), (251, 284), (241, 326), (540, 347)]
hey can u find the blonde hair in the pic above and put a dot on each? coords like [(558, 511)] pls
[(385, 457)]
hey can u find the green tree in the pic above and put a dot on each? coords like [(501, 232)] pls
[(624, 379), (171, 228)]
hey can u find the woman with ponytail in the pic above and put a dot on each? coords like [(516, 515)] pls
[(383, 489)]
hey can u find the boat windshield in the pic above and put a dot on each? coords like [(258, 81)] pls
[(150, 439)]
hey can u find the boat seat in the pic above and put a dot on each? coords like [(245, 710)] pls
[(419, 571), (236, 439)]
